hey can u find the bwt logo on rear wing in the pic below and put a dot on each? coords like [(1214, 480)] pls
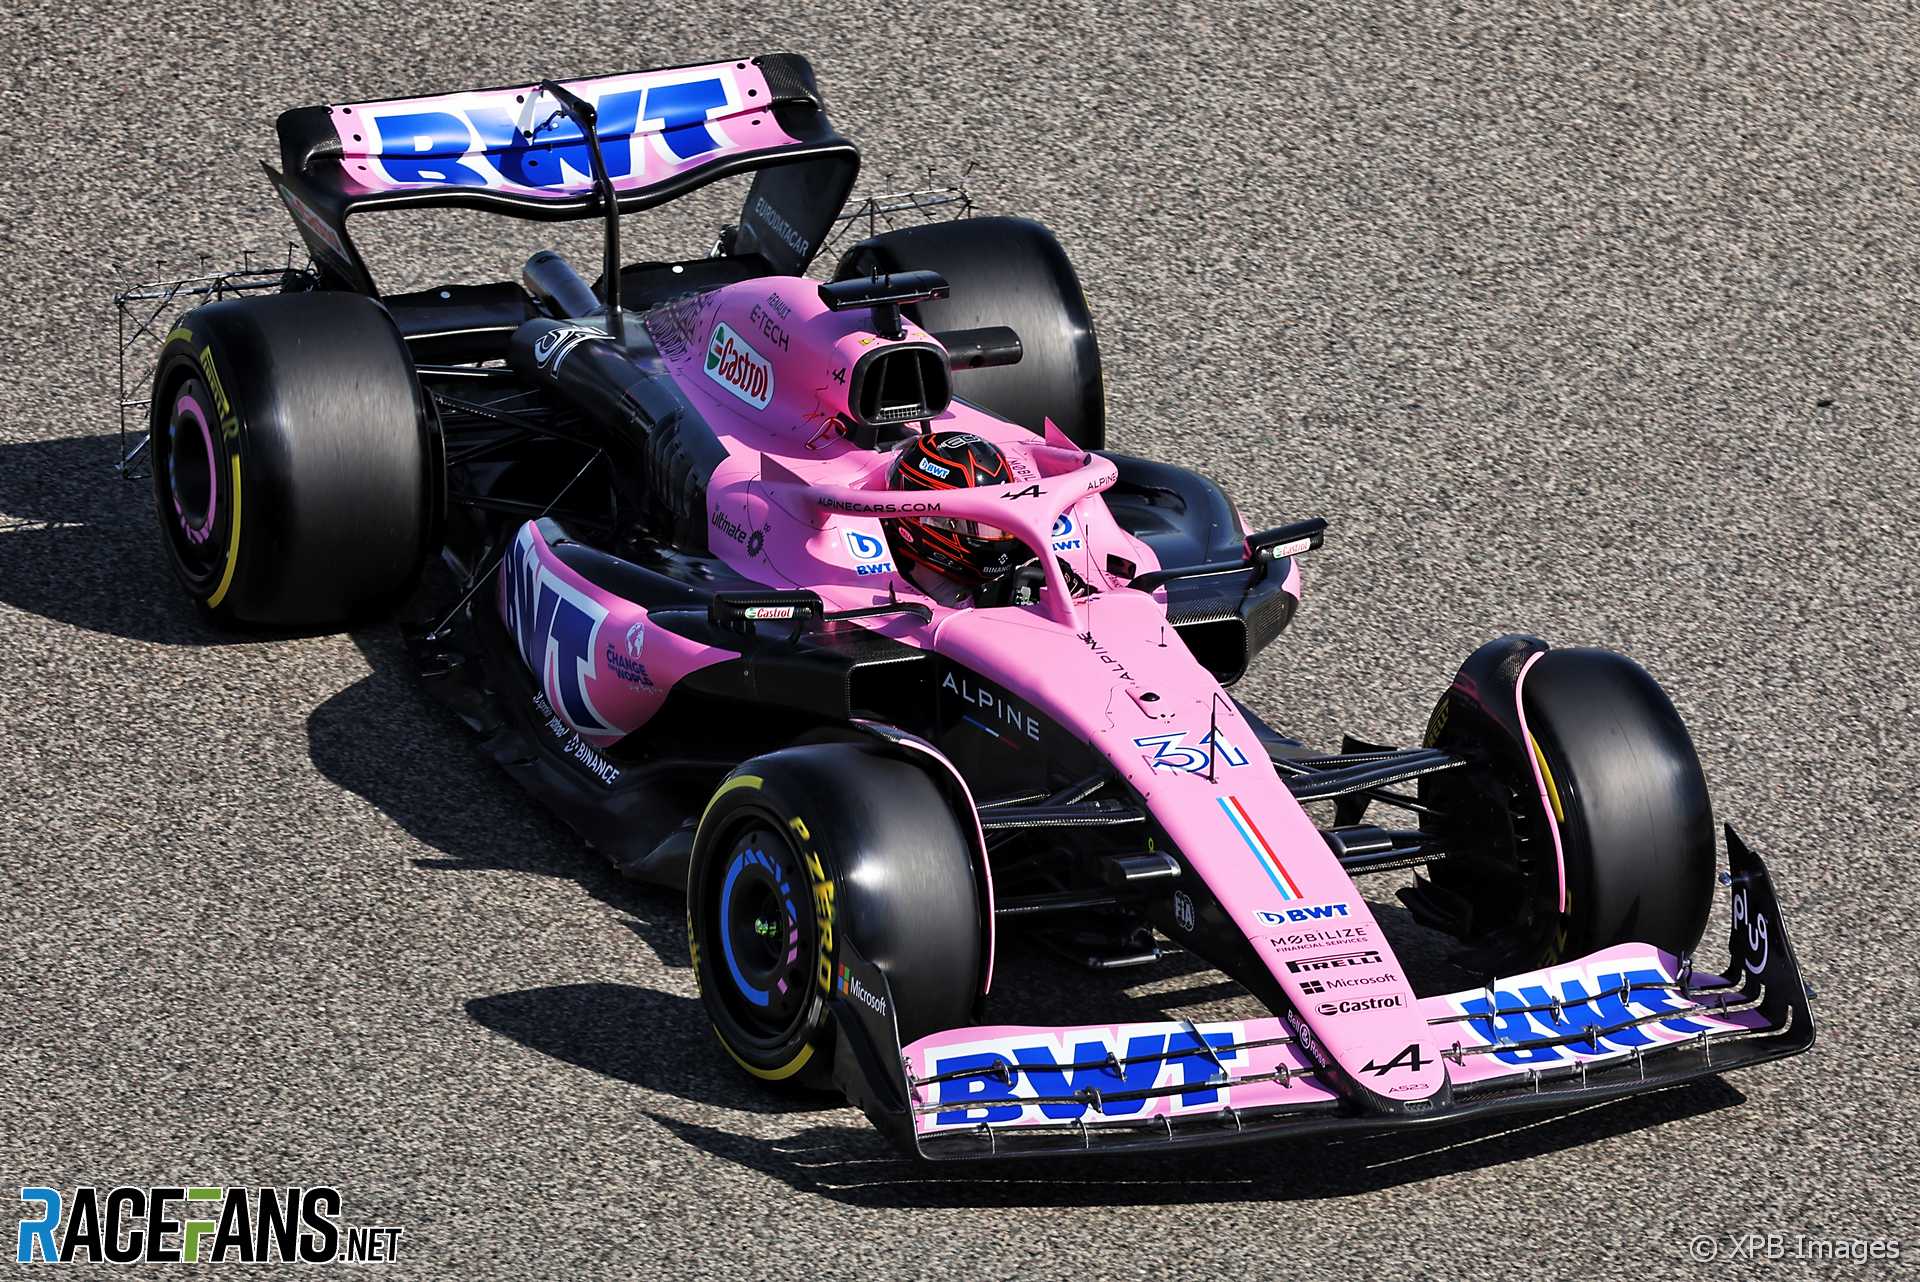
[(519, 151), (651, 125)]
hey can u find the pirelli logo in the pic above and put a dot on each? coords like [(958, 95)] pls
[(1336, 961)]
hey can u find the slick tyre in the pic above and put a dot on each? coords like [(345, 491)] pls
[(1630, 803), (292, 458), (801, 851), (1006, 271)]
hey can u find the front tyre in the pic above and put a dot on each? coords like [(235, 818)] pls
[(799, 852), (1625, 795)]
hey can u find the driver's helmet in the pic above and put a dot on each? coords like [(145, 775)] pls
[(970, 553)]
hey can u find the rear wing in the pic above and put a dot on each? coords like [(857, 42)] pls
[(518, 151)]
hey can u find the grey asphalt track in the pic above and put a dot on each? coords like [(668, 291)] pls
[(1598, 327)]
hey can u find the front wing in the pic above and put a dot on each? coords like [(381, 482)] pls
[(1628, 1019)]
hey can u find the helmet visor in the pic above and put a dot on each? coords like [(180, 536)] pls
[(957, 525)]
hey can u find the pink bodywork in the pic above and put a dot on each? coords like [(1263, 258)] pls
[(795, 505), (461, 138), (1261, 1063), (634, 664)]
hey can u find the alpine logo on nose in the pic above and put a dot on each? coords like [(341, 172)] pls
[(733, 364)]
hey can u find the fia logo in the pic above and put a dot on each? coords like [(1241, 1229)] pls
[(1183, 910)]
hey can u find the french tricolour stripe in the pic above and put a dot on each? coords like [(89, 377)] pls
[(1249, 833)]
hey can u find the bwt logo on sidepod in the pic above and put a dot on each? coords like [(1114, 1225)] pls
[(554, 624), (870, 555), (1064, 537), (1589, 996), (488, 146), (1046, 1066), (732, 363), (551, 349)]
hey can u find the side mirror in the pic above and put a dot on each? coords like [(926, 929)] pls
[(1287, 540)]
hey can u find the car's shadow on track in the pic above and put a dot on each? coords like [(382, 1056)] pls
[(369, 739), (664, 1043), (650, 1039), (854, 1164), (597, 1027), (78, 545)]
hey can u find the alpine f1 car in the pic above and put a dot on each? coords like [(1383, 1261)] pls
[(827, 603)]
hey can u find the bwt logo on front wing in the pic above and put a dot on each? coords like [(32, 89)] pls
[(195, 1225), (1001, 1080), (1588, 996)]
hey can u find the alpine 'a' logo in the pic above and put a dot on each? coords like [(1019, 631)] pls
[(1410, 1059), (733, 364), (554, 625)]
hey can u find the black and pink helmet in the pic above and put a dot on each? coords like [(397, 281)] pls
[(969, 552)]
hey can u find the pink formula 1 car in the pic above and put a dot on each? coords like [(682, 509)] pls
[(828, 604)]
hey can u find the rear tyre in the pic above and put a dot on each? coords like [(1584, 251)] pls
[(292, 455), (799, 852), (1006, 271), (1630, 802)]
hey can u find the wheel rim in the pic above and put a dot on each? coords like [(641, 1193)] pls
[(766, 941), (1495, 814), (188, 457)]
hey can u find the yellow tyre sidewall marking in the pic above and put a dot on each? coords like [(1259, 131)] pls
[(799, 1061), (780, 1074), (738, 781), (233, 541), (1546, 776), (229, 429)]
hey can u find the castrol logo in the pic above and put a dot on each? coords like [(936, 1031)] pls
[(732, 363)]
